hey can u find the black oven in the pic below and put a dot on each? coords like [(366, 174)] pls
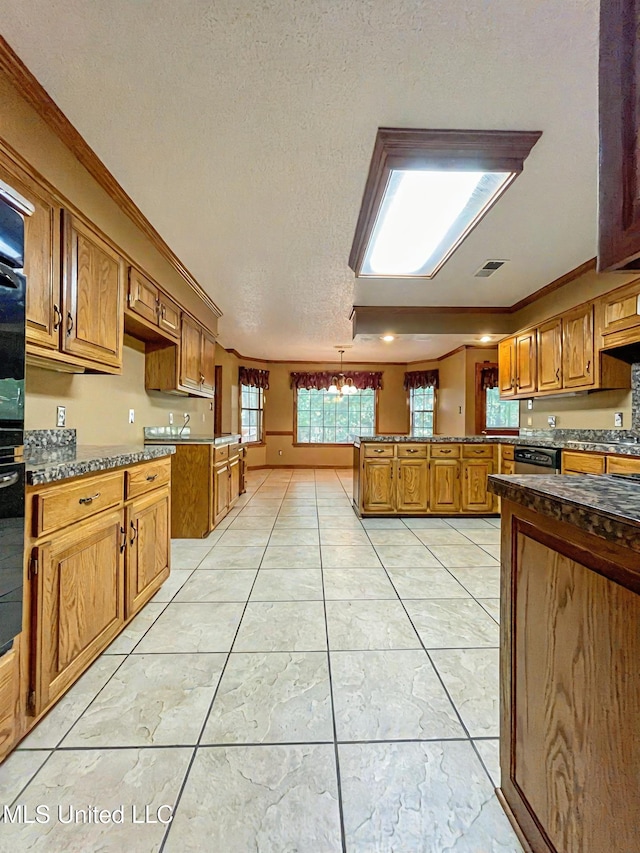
[(12, 379)]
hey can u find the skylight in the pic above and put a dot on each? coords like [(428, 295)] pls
[(426, 191)]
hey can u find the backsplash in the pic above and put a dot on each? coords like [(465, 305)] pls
[(635, 398), (40, 439)]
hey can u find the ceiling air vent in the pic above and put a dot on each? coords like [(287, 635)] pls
[(489, 268)]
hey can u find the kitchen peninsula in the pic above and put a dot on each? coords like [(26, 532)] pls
[(570, 645)]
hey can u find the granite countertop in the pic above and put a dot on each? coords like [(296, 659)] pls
[(50, 464), (177, 435), (604, 505), (623, 448)]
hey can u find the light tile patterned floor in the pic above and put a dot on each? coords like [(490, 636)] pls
[(304, 681)]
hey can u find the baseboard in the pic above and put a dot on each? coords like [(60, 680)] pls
[(514, 823), (306, 467)]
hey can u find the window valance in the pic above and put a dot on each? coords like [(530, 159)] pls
[(253, 377), (362, 379), (489, 377), (421, 379)]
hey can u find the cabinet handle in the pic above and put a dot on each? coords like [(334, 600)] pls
[(151, 478), (458, 473), (411, 450), (378, 449), (447, 450), (557, 374), (134, 527), (589, 366), (90, 499), (123, 544), (163, 312), (466, 475), (57, 318), (202, 379), (69, 323), (513, 383)]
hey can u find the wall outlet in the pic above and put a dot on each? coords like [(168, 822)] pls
[(61, 416), (211, 406), (551, 420), (617, 419), (529, 405), (132, 416), (170, 418), (529, 421)]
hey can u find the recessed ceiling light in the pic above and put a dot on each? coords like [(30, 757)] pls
[(485, 339), (426, 190), (388, 338)]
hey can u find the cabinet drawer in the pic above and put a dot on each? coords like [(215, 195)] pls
[(582, 463), (63, 505), (379, 450), (622, 465), (508, 466), (477, 451), (221, 453), (234, 450), (412, 451), (444, 451), (507, 451), (143, 478)]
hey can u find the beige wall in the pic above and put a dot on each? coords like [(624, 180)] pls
[(98, 406)]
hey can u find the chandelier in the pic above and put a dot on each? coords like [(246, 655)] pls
[(340, 386)]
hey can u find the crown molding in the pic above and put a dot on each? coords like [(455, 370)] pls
[(39, 99)]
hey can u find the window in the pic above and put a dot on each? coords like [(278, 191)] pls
[(422, 406), (323, 418), (500, 414), (251, 413), (426, 191)]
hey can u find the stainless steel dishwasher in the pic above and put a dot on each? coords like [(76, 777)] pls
[(537, 460)]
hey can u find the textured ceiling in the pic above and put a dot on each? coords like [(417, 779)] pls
[(243, 131)]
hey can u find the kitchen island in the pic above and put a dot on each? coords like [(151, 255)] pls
[(570, 646)]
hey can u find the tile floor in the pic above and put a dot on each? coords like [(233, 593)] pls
[(303, 682)]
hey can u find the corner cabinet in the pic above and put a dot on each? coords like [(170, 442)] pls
[(423, 479)]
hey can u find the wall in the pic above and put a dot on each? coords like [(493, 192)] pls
[(98, 406)]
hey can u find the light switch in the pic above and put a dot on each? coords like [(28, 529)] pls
[(132, 416), (551, 420)]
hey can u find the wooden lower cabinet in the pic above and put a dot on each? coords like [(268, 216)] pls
[(221, 491), (444, 486), (475, 497), (148, 554), (577, 462), (412, 485), (234, 481), (78, 603), (570, 704), (377, 492), (9, 697)]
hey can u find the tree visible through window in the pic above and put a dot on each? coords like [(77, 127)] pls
[(251, 413), (422, 405), (324, 418), (501, 414)]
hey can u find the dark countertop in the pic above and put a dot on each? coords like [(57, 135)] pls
[(172, 435), (604, 505), (622, 448), (51, 464)]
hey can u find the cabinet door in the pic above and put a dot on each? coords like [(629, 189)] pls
[(41, 260), (377, 490), (475, 497), (577, 347), (550, 355), (93, 273), (444, 485), (208, 364), (507, 367), (234, 481), (526, 363), (190, 355), (413, 485), (79, 606), (221, 476), (169, 316), (147, 564), (143, 296)]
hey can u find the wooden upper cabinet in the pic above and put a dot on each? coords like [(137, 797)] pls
[(526, 362), (93, 277), (208, 363), (169, 316), (619, 119), (190, 355), (619, 315), (507, 367), (577, 348), (41, 259), (143, 297), (550, 355)]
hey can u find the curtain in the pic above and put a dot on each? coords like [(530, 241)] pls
[(253, 377), (489, 377), (421, 379), (362, 379)]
